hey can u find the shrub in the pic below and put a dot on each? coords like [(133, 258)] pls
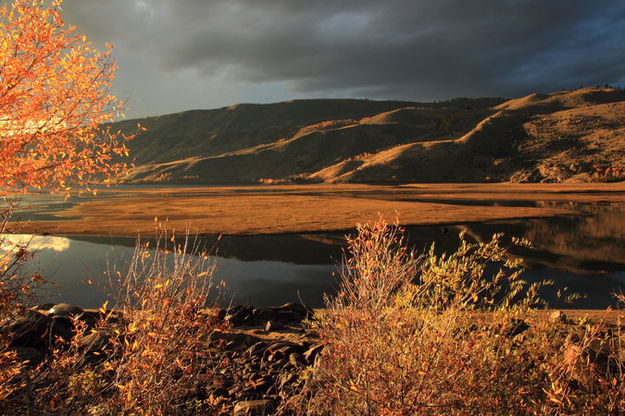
[(161, 357), (16, 287), (146, 356), (448, 334), (16, 290)]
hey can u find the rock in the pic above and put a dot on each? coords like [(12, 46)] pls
[(296, 359), (65, 310), (281, 350), (287, 379), (515, 327), (572, 354), (273, 326), (297, 308), (233, 341), (94, 342), (259, 383), (30, 355), (603, 353), (42, 307), (238, 315), (557, 317), (289, 313), (256, 349), (90, 318), (254, 407), (312, 353), (67, 313), (36, 330)]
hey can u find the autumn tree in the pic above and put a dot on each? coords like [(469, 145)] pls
[(54, 98)]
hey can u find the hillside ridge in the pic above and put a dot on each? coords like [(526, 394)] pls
[(566, 136)]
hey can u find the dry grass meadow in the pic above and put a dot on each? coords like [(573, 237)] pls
[(305, 208)]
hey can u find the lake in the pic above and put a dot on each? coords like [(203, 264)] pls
[(584, 251)]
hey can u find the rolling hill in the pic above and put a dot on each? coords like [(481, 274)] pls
[(574, 136)]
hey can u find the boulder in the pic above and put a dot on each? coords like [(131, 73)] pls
[(296, 359), (295, 308), (65, 310), (273, 326), (557, 317), (94, 342), (281, 349), (256, 349), (233, 341), (36, 330), (254, 407), (29, 355), (43, 307), (237, 315), (312, 353), (515, 327), (67, 313), (289, 313)]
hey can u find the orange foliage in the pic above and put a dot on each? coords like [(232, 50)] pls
[(53, 96)]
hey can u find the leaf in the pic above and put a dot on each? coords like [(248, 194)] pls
[(56, 71), (104, 306)]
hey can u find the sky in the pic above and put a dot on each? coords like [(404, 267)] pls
[(176, 55)]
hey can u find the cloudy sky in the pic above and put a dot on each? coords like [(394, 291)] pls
[(176, 55)]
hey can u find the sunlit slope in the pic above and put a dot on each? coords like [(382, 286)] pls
[(558, 137)]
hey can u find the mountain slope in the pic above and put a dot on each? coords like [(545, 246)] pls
[(564, 136)]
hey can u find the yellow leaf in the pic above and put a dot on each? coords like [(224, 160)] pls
[(104, 306)]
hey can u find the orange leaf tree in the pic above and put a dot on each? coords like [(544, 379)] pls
[(54, 97)]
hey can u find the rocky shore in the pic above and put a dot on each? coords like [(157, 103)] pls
[(262, 351), (256, 358)]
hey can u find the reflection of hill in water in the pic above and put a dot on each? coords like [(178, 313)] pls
[(589, 243), (592, 243), (287, 248)]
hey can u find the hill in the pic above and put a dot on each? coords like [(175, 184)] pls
[(575, 136)]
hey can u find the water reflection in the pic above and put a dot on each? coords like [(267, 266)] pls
[(589, 243), (585, 253), (35, 243), (69, 264)]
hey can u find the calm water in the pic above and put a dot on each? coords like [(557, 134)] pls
[(584, 252)]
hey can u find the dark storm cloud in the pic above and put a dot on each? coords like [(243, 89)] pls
[(176, 54)]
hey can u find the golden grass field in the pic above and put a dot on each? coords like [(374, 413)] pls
[(305, 208)]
